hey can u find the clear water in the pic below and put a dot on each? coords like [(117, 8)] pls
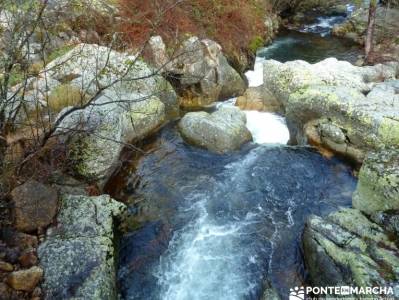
[(218, 227), (311, 47)]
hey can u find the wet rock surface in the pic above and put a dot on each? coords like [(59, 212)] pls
[(260, 99)]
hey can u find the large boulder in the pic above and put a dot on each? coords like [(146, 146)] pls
[(130, 101), (283, 79), (199, 71), (338, 106), (344, 120), (77, 256), (347, 249), (35, 205), (221, 131), (378, 187), (91, 67), (97, 134)]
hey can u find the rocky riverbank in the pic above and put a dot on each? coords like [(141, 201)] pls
[(386, 32), (60, 244), (353, 112)]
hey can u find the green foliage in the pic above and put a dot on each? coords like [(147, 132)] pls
[(16, 77), (256, 43)]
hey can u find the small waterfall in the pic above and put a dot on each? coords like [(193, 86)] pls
[(216, 227), (233, 221), (265, 127)]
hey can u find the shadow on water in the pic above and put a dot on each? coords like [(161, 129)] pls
[(211, 226)]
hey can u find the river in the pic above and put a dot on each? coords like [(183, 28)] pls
[(222, 227)]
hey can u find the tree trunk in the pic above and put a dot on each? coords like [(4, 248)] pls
[(370, 30)]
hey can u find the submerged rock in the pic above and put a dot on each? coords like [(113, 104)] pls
[(347, 249), (221, 131), (78, 255), (378, 187), (199, 71)]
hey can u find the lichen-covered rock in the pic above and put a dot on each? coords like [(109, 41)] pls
[(361, 123), (378, 187), (97, 134), (135, 102), (199, 71), (78, 255), (336, 105), (347, 249), (221, 131), (283, 79), (92, 68), (35, 205)]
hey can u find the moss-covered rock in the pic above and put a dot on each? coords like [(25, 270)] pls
[(77, 256), (338, 106), (378, 187), (97, 134), (350, 250)]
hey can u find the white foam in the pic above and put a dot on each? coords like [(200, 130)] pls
[(197, 262), (255, 76), (267, 128)]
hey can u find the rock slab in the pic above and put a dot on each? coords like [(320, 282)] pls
[(347, 249), (78, 255)]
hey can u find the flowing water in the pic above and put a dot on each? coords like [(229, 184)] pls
[(221, 227), (218, 226)]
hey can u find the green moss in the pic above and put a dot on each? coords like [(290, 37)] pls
[(256, 43), (59, 52), (16, 77), (389, 132)]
